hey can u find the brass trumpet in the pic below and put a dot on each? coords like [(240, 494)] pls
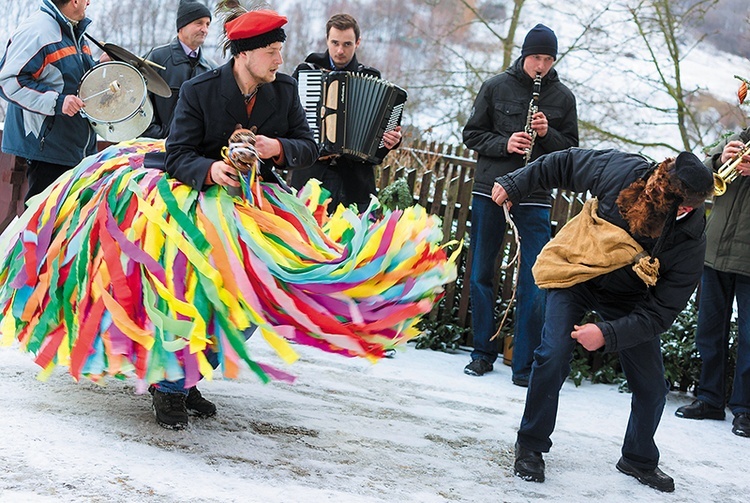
[(728, 173)]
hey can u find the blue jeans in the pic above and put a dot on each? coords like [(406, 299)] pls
[(487, 232), (718, 291), (178, 386), (642, 364)]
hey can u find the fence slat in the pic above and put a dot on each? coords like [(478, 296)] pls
[(445, 173)]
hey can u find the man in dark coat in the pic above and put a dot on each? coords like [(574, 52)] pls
[(497, 131), (245, 92), (661, 208), (349, 181), (182, 60), (726, 280)]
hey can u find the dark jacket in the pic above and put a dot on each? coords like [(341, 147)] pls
[(727, 230), (357, 177), (177, 69), (605, 173), (209, 108), (322, 61), (44, 61), (500, 110)]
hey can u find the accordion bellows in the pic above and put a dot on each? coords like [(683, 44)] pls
[(350, 112), (120, 270)]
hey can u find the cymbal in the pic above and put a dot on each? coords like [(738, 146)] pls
[(154, 82)]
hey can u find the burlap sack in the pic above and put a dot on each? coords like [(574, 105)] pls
[(589, 246)]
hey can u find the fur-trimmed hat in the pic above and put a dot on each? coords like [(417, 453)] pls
[(190, 10), (540, 40), (255, 29)]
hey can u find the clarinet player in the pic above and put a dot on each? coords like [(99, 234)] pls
[(503, 129)]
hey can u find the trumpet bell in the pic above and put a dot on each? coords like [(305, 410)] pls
[(720, 186)]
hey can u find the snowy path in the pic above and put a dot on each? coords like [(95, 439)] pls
[(410, 429)]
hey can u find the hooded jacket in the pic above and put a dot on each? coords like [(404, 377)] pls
[(500, 110), (727, 232), (45, 60), (604, 173)]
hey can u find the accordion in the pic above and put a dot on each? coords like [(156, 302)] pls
[(350, 112)]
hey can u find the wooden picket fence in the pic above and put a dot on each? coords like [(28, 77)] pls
[(440, 178)]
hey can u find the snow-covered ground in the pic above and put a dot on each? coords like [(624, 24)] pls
[(410, 429)]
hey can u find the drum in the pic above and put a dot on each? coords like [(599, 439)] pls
[(117, 104)]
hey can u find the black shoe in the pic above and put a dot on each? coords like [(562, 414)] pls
[(529, 464), (199, 405), (653, 478), (521, 381), (478, 367), (169, 409), (389, 353), (741, 424), (700, 410)]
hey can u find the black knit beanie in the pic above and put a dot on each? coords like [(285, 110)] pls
[(256, 42), (190, 10), (540, 40), (696, 177)]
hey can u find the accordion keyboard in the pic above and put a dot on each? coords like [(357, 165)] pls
[(310, 92)]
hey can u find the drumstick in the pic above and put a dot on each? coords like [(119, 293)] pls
[(151, 63), (114, 86)]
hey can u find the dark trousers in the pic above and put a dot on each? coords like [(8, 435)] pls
[(487, 232), (349, 182), (718, 292), (41, 175), (642, 364)]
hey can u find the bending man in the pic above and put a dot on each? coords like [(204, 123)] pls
[(649, 215)]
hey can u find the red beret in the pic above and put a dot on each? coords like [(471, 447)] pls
[(254, 23)]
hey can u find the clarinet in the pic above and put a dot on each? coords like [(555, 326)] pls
[(533, 108)]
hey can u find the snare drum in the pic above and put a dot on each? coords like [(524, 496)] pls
[(117, 104)]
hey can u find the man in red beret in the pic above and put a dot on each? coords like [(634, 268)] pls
[(245, 92)]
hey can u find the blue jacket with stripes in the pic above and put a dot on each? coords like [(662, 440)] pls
[(44, 61)]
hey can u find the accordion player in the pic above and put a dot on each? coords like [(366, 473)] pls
[(350, 112)]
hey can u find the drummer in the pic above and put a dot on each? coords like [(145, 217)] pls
[(43, 63), (182, 59)]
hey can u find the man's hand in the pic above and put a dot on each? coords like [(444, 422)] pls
[(72, 104), (392, 138), (267, 147), (539, 124), (519, 142), (223, 174), (589, 336), (499, 195), (732, 149)]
